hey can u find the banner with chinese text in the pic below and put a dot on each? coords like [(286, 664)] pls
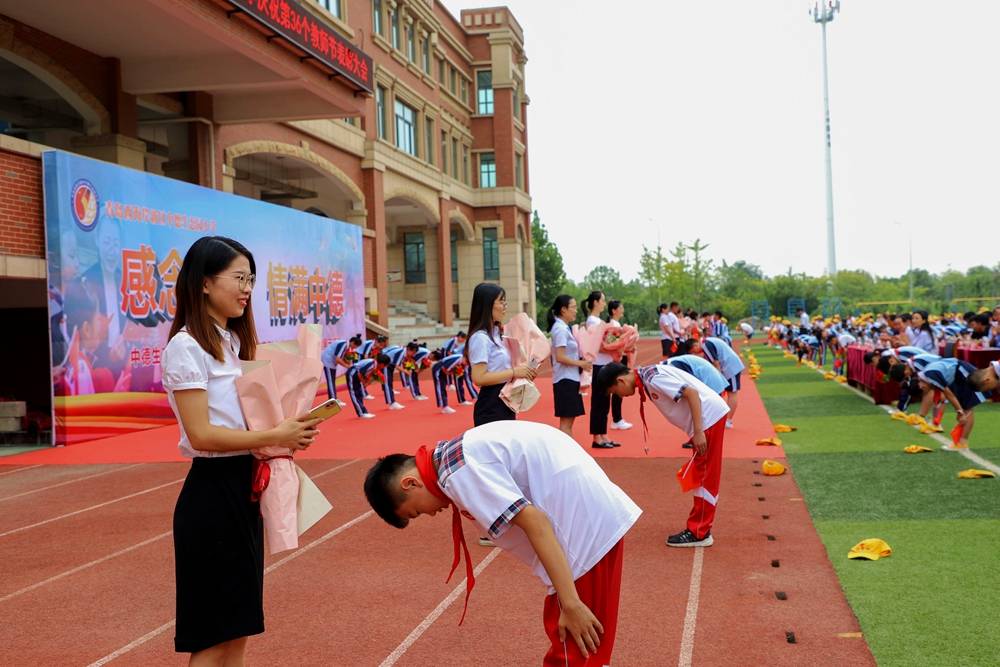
[(115, 241)]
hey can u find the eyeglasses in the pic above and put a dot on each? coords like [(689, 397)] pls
[(503, 303), (244, 279)]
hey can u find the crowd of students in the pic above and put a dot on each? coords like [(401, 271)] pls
[(914, 349)]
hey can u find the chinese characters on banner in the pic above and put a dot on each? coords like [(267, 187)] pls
[(297, 297)]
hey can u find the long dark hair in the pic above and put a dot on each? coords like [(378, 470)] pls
[(614, 303), (481, 312), (561, 301), (926, 326), (206, 258), (593, 298)]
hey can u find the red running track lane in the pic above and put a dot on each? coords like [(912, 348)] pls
[(347, 437)]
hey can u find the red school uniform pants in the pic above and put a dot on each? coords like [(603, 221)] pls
[(599, 589), (708, 468)]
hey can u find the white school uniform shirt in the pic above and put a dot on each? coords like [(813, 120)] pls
[(665, 386), (804, 320), (186, 365), (563, 337), (493, 352), (674, 325), (664, 324), (497, 469), (602, 358), (747, 328)]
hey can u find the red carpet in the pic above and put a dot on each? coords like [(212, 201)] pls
[(347, 437)]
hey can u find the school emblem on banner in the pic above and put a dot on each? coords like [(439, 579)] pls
[(84, 204)]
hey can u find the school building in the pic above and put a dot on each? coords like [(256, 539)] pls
[(393, 115)]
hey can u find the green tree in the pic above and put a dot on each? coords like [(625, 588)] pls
[(550, 276)]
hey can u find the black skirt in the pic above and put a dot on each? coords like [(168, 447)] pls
[(490, 408), (218, 554), (569, 402)]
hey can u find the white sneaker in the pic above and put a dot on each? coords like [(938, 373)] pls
[(447, 410), (397, 406), (369, 397), (467, 403), (621, 425), (340, 403), (486, 542), (367, 415), (729, 424), (451, 387), (420, 398)]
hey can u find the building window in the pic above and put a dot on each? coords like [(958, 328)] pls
[(487, 170), (491, 255), (441, 71), (411, 48), (332, 6), (425, 54), (394, 27), (380, 111), (465, 90), (517, 102), (453, 83), (413, 256), (429, 138), (519, 171), (465, 164), (405, 133), (524, 254), (454, 158), (377, 17), (484, 92), (444, 152), (454, 256)]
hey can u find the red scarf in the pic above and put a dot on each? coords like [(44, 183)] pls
[(429, 476), (642, 408)]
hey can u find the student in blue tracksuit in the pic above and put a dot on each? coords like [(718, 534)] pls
[(454, 345), (443, 367), (905, 374), (413, 363), (331, 357), (703, 370), (358, 376), (394, 356), (729, 364), (951, 378)]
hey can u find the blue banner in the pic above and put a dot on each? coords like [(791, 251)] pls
[(115, 241)]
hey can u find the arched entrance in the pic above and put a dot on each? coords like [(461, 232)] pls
[(412, 258)]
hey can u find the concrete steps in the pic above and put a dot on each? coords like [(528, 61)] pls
[(409, 320)]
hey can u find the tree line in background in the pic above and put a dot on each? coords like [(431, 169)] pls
[(684, 274)]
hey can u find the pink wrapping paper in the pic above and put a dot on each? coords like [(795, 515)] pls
[(281, 383), (627, 335), (589, 340), (527, 345)]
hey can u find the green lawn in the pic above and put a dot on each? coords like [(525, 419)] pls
[(935, 600)]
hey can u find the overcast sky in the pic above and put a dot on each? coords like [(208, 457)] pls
[(706, 118)]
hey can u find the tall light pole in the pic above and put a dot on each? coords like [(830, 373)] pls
[(910, 272), (823, 12)]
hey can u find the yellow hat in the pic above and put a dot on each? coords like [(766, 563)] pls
[(769, 467), (829, 375), (914, 419), (774, 442), (928, 428), (975, 473), (841, 379), (899, 416), (870, 549), (784, 428), (916, 449)]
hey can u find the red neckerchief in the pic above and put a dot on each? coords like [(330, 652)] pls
[(429, 475), (642, 407)]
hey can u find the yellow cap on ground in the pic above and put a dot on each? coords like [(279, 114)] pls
[(771, 442), (976, 473), (784, 428), (769, 467), (870, 549), (916, 449)]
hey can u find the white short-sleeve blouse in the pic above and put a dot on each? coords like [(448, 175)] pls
[(186, 365), (493, 353)]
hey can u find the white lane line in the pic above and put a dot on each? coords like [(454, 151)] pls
[(166, 626), (79, 568), (87, 509), (71, 481), (967, 453), (691, 615), (335, 468), (434, 615), (11, 472)]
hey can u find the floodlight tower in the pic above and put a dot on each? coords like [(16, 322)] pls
[(823, 12)]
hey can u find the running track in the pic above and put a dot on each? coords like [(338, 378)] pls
[(86, 565)]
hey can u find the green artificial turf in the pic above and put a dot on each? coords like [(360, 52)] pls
[(935, 600)]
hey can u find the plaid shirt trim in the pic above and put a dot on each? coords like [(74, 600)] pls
[(502, 523), (448, 457)]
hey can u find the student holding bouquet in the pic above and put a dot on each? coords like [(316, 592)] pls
[(616, 311), (217, 527), (566, 363), (600, 402)]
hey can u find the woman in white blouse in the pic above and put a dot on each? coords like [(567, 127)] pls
[(616, 311), (566, 363), (600, 403), (218, 534), (488, 357)]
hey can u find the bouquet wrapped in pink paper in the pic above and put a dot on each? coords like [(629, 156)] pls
[(589, 340), (281, 383), (620, 341), (527, 345)]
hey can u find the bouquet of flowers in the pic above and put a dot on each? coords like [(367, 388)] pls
[(527, 345)]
